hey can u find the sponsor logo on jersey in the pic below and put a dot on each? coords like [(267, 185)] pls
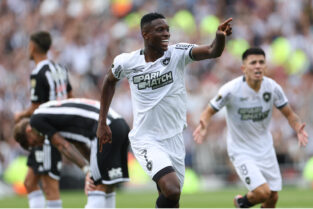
[(115, 173), (148, 162), (153, 80), (267, 96), (243, 99), (117, 71), (253, 113), (183, 46), (218, 98)]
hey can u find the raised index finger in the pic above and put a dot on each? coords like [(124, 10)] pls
[(227, 21)]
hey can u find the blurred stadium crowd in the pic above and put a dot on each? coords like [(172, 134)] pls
[(88, 34)]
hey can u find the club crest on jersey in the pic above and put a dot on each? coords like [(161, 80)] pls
[(166, 61), (267, 96), (248, 180), (153, 80)]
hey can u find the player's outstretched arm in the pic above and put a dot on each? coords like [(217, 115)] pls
[(296, 124), (201, 131), (104, 133), (216, 48)]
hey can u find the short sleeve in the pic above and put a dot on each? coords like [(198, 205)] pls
[(221, 99), (42, 125), (118, 67), (280, 99), (39, 90), (185, 51)]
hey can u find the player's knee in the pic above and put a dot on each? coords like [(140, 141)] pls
[(172, 191), (29, 185), (264, 194)]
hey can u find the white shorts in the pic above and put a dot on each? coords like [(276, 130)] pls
[(153, 156), (254, 173)]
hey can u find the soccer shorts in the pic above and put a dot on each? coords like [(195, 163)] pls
[(110, 166), (156, 156), (254, 173), (45, 159)]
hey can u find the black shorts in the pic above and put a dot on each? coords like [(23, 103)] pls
[(110, 166), (45, 159)]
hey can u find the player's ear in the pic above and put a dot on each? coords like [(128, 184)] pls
[(28, 128), (242, 67)]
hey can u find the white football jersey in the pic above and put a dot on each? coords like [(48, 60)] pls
[(157, 90), (248, 114)]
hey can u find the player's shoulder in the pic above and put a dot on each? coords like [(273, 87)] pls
[(234, 84), (41, 67), (269, 82), (127, 57)]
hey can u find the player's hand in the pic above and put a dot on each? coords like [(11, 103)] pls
[(302, 136), (89, 184), (225, 27), (104, 135), (200, 133)]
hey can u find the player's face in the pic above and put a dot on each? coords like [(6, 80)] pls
[(254, 67), (31, 49), (157, 35)]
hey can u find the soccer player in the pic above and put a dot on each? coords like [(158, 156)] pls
[(70, 125), (156, 77), (49, 81), (249, 101)]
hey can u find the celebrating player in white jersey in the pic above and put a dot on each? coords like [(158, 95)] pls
[(249, 101), (156, 78)]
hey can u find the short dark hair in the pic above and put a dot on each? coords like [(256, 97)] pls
[(148, 18), (20, 133), (253, 50), (42, 39)]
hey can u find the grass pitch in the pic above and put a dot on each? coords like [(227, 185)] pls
[(288, 198)]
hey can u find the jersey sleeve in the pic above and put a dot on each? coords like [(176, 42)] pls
[(184, 51), (118, 67), (221, 99), (280, 99), (42, 125), (39, 88)]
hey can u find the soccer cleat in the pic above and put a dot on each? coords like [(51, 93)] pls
[(236, 201)]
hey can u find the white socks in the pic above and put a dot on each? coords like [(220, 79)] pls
[(110, 200), (54, 204), (99, 199), (36, 199), (96, 199)]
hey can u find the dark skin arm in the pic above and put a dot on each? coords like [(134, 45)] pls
[(216, 48), (69, 150), (104, 133)]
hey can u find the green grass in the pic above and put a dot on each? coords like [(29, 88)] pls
[(288, 198)]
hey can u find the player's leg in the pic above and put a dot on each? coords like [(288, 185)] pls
[(36, 198), (271, 201), (51, 189), (157, 159), (252, 177), (109, 167)]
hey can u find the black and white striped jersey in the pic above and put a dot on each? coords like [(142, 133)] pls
[(74, 119), (49, 81)]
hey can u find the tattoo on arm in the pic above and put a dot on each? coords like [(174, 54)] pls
[(71, 152)]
